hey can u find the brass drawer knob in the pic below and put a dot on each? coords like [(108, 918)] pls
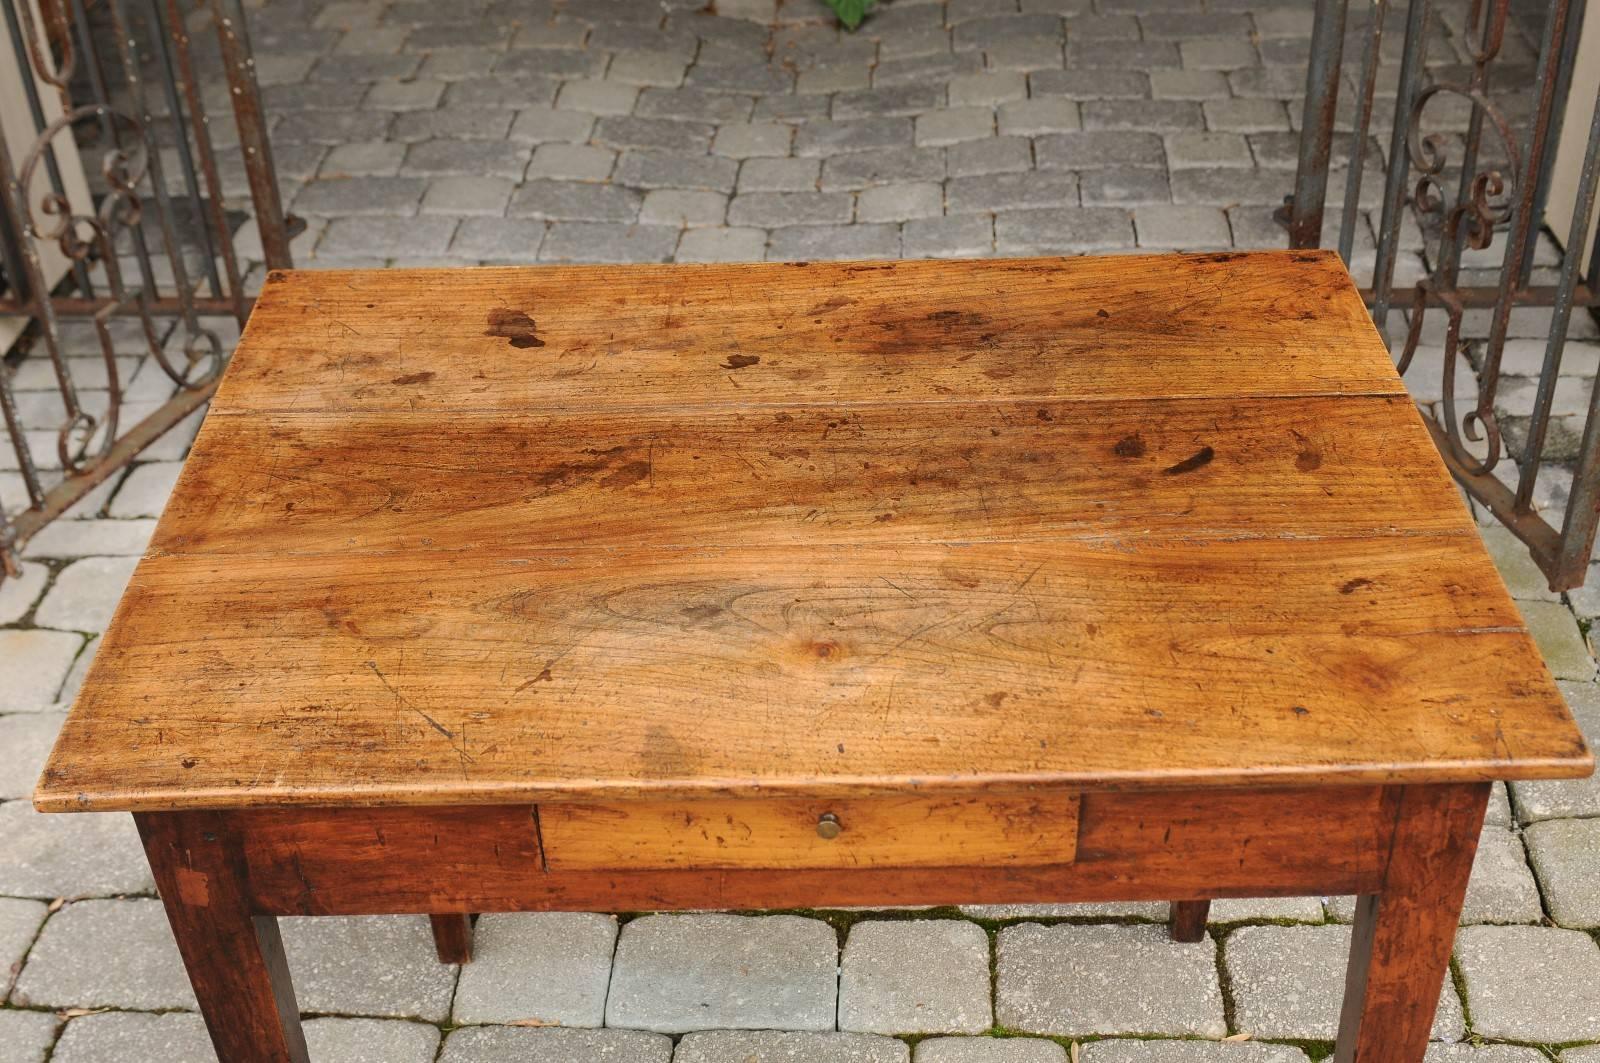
[(828, 826)]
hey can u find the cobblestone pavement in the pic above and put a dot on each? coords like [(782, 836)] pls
[(467, 131)]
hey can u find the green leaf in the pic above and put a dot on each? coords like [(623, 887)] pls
[(850, 12)]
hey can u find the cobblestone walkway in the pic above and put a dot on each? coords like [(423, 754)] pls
[(462, 131)]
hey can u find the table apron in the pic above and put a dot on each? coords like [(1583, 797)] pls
[(1147, 845)]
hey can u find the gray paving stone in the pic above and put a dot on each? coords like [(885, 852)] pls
[(1288, 982), (827, 243), (1120, 54), (575, 201), (1077, 980), (82, 538), (1163, 225), (1499, 811), (1469, 1053), (1547, 799), (824, 138), (332, 127), (1037, 117), (370, 1041), (382, 966), (954, 125), (965, 195), (773, 1046), (1586, 1054), (899, 101), (575, 162), (722, 245), (1195, 150), (131, 1037), (660, 134), (33, 665), (995, 155), (585, 241), (492, 158), (416, 95), (140, 968), (26, 739), (1093, 149), (342, 197), (864, 169), (779, 175), (1566, 856), (467, 195), (776, 209), (371, 158), (1123, 186), (80, 668), (1502, 889), (675, 973), (900, 202), (1190, 1052), (694, 105), (1560, 643), (20, 593), (591, 96), (1227, 187), (26, 1036), (683, 207), (987, 89), (386, 237), (662, 169), (988, 1050), (496, 94), (1167, 84), (19, 924), (546, 968), (1155, 911), (488, 1044), (1247, 909), (85, 594), (646, 68), (541, 125), (498, 240), (1531, 984), (1062, 231), (923, 69), (1023, 55), (958, 237), (915, 976), (1142, 115), (748, 140), (1090, 84), (145, 491)]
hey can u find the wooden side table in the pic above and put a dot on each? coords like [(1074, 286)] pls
[(825, 584)]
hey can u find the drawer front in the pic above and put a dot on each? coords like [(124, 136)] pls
[(915, 831)]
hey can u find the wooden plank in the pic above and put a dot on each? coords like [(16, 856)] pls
[(631, 337), (1131, 846), (419, 678), (234, 956), (806, 475), (963, 830), (1400, 948)]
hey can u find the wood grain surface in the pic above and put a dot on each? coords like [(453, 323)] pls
[(577, 534), (916, 831)]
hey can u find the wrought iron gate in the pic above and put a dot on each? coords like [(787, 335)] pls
[(124, 268), (1468, 188)]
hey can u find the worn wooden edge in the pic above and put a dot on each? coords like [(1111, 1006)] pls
[(49, 797), (1132, 846)]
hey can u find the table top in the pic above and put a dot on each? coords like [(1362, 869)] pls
[(453, 536)]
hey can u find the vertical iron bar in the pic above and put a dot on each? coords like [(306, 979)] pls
[(1412, 58), (1365, 91), (1576, 10), (191, 182), (80, 273), (1560, 315), (1522, 220), (247, 112), (1316, 126)]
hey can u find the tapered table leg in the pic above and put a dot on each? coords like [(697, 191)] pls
[(234, 957), (1186, 920), (1400, 948), (452, 938)]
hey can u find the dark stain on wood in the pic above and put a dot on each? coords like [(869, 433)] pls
[(1354, 585), (412, 378), (515, 326), (1129, 446), (741, 361), (1199, 459)]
